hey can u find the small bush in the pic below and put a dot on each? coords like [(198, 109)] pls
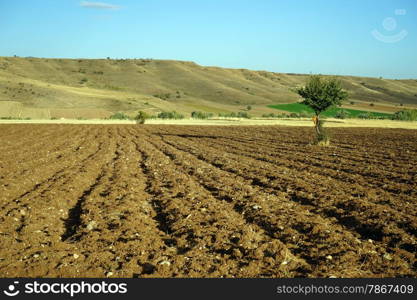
[(243, 114), (170, 115), (165, 96), (119, 116), (141, 117), (15, 118), (201, 115), (365, 116), (270, 115), (342, 114), (406, 115), (228, 115), (83, 80)]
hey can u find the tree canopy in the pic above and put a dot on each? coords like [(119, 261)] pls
[(320, 94)]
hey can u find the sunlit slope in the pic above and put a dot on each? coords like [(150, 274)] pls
[(46, 88)]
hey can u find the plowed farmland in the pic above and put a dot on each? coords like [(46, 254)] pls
[(189, 201)]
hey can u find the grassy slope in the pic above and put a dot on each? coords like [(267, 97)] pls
[(44, 88)]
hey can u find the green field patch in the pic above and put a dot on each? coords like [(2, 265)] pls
[(331, 112)]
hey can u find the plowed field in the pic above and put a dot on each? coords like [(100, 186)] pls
[(189, 201)]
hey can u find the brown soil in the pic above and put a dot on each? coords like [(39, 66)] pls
[(189, 201)]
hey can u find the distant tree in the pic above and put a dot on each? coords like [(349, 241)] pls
[(248, 107), (141, 117), (320, 94)]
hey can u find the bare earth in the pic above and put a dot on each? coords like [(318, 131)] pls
[(199, 201), (234, 122)]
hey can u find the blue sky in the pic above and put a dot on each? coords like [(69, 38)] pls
[(299, 36)]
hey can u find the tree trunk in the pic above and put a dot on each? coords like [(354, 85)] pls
[(316, 124)]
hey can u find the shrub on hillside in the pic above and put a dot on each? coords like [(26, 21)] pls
[(15, 118), (365, 116), (228, 115), (342, 114), (119, 116), (201, 115), (406, 115), (243, 114), (270, 115), (165, 96), (170, 115)]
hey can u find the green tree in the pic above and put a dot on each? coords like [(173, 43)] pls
[(320, 94), (141, 117)]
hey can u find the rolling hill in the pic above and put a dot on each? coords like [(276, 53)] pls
[(96, 88)]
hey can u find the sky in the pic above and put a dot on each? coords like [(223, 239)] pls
[(345, 37)]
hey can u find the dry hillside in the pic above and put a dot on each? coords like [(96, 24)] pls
[(90, 88)]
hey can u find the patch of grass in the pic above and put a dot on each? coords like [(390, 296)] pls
[(330, 113)]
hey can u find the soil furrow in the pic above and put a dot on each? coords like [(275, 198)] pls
[(347, 213)]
